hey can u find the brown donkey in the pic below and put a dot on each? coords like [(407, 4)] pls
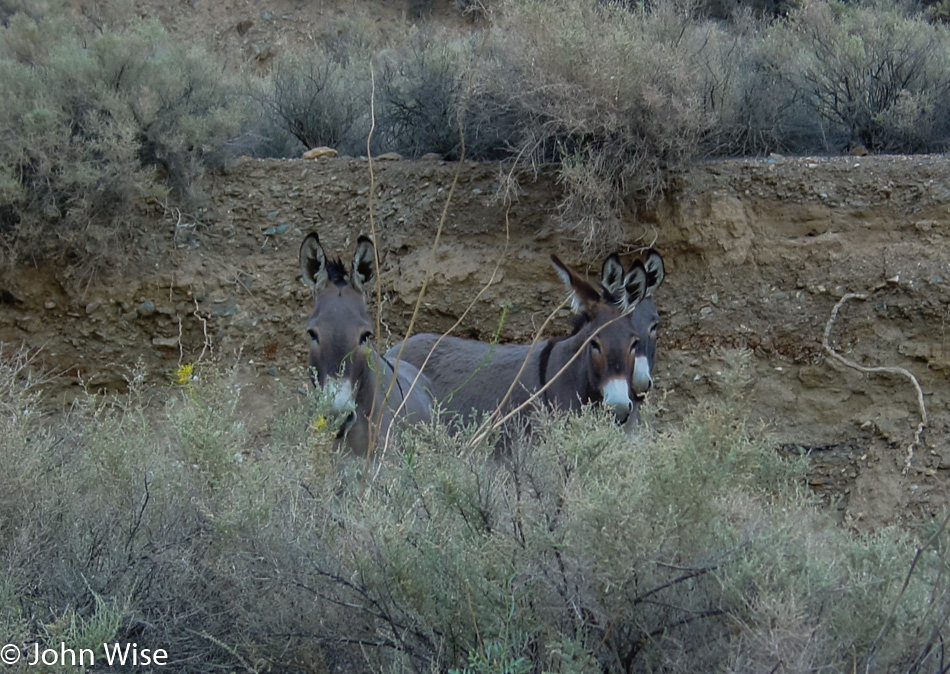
[(370, 389), (607, 360)]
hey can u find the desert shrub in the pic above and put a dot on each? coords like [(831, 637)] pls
[(94, 125), (426, 92), (611, 95), (33, 8), (420, 91), (320, 95), (728, 10), (754, 109), (583, 550), (131, 520), (419, 8), (937, 11), (873, 75), (475, 9), (318, 100), (694, 551)]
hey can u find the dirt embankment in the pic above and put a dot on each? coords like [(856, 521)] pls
[(757, 254)]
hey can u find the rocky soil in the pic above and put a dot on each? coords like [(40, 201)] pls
[(758, 253)]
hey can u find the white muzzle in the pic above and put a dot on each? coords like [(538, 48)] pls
[(616, 394), (642, 379)]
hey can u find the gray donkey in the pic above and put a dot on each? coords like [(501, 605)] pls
[(373, 389), (608, 359), (644, 317)]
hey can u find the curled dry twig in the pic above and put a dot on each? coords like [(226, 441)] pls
[(871, 370)]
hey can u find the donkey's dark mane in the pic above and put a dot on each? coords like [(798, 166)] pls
[(336, 272)]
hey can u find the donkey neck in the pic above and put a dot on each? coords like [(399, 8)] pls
[(389, 388), (367, 385)]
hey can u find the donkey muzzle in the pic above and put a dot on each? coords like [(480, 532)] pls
[(642, 380), (341, 395), (617, 399)]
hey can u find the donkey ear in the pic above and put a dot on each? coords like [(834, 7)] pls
[(634, 286), (313, 262), (583, 295), (364, 263), (611, 279), (656, 271)]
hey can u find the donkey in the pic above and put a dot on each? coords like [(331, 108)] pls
[(601, 362), (373, 389), (644, 317)]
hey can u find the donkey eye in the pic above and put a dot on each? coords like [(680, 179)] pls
[(365, 337), (313, 336), (595, 346)]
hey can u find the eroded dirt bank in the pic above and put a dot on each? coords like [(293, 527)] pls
[(757, 254)]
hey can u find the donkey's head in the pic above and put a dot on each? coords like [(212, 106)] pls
[(340, 328), (607, 366), (643, 314)]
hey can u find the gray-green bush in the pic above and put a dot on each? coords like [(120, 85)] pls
[(320, 100), (618, 94), (611, 95), (427, 92), (170, 525), (94, 126), (873, 74), (96, 123)]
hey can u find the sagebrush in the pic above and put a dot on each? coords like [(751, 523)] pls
[(107, 119), (169, 524), (98, 126)]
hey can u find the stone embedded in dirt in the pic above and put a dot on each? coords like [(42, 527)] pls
[(389, 156), (263, 52), (224, 309), (165, 342), (318, 152), (275, 231), (431, 156), (146, 308)]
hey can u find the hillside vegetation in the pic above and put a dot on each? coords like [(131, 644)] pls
[(102, 118)]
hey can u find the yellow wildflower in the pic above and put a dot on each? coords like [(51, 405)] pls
[(183, 375)]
